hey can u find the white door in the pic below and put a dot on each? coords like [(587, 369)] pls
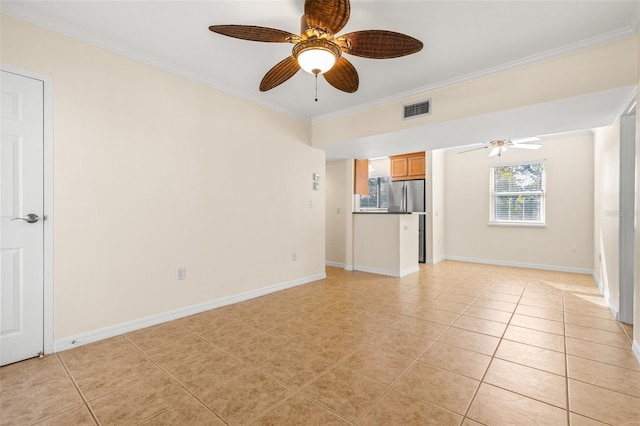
[(21, 218)]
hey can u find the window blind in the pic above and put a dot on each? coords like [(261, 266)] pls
[(517, 193)]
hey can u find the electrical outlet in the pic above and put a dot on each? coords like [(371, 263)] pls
[(338, 210), (181, 273), (310, 204), (294, 256)]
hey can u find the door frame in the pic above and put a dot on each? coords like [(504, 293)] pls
[(627, 213), (47, 97)]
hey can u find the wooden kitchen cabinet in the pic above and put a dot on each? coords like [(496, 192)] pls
[(408, 166), (361, 177)]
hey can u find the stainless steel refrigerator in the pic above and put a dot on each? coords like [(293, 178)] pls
[(408, 196)]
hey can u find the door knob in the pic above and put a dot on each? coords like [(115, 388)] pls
[(30, 218)]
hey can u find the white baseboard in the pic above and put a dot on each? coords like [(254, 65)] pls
[(435, 261), (348, 267), (635, 348), (387, 272), (598, 282), (520, 265), (605, 294), (612, 308), (334, 264), (409, 271), (129, 326)]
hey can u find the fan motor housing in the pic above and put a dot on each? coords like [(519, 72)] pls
[(317, 44)]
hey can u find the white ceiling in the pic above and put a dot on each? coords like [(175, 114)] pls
[(462, 39)]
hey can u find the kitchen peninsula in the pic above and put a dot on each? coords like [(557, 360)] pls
[(385, 243)]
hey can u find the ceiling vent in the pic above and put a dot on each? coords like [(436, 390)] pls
[(416, 110)]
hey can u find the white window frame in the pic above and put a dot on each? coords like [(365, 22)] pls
[(541, 193), (379, 191)]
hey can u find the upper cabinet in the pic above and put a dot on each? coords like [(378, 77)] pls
[(361, 177), (408, 166)]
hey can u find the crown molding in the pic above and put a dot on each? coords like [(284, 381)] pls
[(18, 11), (529, 60), (15, 10)]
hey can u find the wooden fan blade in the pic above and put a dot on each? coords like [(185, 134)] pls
[(280, 73), (380, 44), (253, 33), (343, 76), (328, 14)]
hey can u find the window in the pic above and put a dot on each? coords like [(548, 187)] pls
[(517, 193), (377, 197)]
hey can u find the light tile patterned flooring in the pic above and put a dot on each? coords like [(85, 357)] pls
[(453, 344)]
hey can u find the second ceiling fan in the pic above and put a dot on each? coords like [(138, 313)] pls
[(501, 145), (318, 50)]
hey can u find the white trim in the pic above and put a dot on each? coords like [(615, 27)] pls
[(613, 310), (47, 307), (549, 54), (129, 326), (334, 264), (389, 273), (635, 348), (521, 265), (17, 11), (348, 267), (607, 300), (604, 290), (435, 261), (605, 295), (521, 224), (493, 194), (626, 217), (598, 283)]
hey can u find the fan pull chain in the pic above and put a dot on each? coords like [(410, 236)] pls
[(316, 72)]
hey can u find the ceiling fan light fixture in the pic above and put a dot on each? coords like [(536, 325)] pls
[(316, 56)]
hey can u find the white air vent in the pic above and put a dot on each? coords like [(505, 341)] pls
[(415, 110)]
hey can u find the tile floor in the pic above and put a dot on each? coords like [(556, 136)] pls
[(453, 344)]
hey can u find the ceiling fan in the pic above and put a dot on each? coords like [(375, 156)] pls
[(318, 50), (501, 145)]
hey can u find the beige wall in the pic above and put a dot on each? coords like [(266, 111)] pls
[(600, 68), (338, 194), (606, 205), (569, 207), (153, 172)]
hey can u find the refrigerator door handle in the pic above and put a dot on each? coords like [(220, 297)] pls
[(406, 198)]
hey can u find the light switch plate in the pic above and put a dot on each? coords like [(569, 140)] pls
[(316, 186), (316, 176)]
